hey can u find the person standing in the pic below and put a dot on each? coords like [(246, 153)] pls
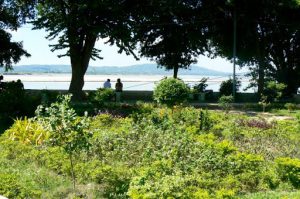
[(107, 84), (119, 89), (119, 85), (1, 83)]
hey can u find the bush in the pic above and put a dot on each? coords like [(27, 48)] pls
[(67, 130), (225, 102), (12, 100), (290, 106), (201, 86), (15, 102), (27, 131), (273, 91), (226, 87), (12, 188), (102, 95), (171, 91), (289, 170)]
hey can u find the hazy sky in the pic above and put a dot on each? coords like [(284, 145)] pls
[(36, 44)]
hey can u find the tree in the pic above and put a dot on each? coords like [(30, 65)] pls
[(78, 24), (12, 15), (67, 130), (264, 37), (171, 33)]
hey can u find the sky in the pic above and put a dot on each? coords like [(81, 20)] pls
[(37, 45)]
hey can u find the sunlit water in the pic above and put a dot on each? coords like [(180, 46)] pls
[(130, 82)]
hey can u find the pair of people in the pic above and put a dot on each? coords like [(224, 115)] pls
[(118, 86)]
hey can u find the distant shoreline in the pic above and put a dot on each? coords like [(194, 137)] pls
[(141, 69)]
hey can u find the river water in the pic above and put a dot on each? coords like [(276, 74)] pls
[(130, 82)]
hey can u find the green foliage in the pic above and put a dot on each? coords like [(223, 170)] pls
[(201, 86), (12, 16), (264, 102), (27, 131), (290, 106), (289, 170), (225, 102), (206, 122), (21, 174), (14, 102), (155, 153), (48, 97), (272, 195), (12, 188), (102, 95), (273, 91), (66, 129), (171, 91), (227, 86)]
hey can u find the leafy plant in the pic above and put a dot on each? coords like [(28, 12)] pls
[(67, 130), (264, 102), (273, 91), (171, 91), (201, 86), (289, 170), (205, 121), (12, 188), (227, 86), (102, 95), (290, 106), (225, 102), (27, 131)]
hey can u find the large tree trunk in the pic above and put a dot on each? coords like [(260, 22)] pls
[(175, 72), (80, 56), (77, 82)]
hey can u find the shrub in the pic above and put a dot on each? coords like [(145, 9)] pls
[(66, 129), (206, 122), (226, 87), (201, 86), (12, 188), (15, 102), (273, 91), (264, 102), (289, 170), (102, 95), (27, 131), (12, 100), (48, 97), (171, 91), (290, 107), (225, 102)]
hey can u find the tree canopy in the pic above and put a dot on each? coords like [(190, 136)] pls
[(78, 24), (12, 15), (266, 38), (172, 33)]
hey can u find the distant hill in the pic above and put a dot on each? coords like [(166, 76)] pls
[(142, 69)]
